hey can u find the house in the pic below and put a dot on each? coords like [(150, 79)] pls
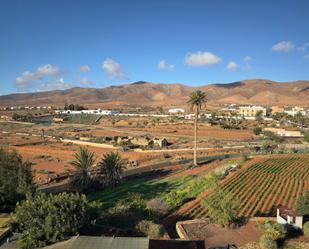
[(287, 216), (176, 111), (189, 116), (58, 120), (295, 110), (251, 111), (160, 142), (100, 242), (142, 141), (124, 139), (284, 133)]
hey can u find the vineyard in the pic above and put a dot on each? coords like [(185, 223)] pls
[(264, 185)]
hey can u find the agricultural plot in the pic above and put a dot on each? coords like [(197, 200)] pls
[(264, 185)]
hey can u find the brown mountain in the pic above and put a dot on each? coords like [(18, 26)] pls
[(140, 93)]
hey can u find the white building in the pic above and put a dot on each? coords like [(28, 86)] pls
[(94, 112), (284, 133), (288, 216), (251, 111), (176, 110), (295, 110), (189, 116)]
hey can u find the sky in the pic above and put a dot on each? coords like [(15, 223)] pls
[(53, 45)]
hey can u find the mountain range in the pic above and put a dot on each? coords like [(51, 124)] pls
[(259, 92)]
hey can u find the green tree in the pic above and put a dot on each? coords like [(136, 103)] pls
[(15, 179), (306, 137), (302, 204), (45, 219), (267, 243), (306, 229), (111, 167), (83, 163), (257, 130), (259, 116), (222, 207), (273, 230), (197, 100)]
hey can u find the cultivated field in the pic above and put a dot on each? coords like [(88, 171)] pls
[(263, 184)]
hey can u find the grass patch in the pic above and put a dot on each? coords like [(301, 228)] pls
[(167, 189)]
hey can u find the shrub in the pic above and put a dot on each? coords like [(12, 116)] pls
[(222, 207), (126, 213), (251, 245), (302, 204), (306, 229), (257, 130), (158, 206), (273, 231), (150, 229), (306, 137), (267, 243), (15, 179), (45, 219)]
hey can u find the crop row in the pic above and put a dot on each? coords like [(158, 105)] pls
[(265, 185)]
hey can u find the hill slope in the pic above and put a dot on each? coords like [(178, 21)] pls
[(151, 94)]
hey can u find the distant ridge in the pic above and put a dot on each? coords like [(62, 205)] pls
[(256, 91)]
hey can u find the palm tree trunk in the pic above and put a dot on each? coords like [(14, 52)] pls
[(195, 137)]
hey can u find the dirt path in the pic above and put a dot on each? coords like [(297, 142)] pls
[(98, 145)]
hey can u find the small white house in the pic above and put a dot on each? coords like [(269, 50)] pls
[(288, 216), (176, 111), (189, 116)]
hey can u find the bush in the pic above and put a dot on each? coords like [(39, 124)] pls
[(222, 207), (273, 231), (45, 219), (150, 229), (306, 229), (306, 137), (158, 207), (15, 179), (257, 130), (267, 243), (302, 204), (251, 245), (126, 213)]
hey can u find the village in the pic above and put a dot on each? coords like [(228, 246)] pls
[(136, 124)]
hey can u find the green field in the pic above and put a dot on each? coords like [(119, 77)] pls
[(173, 190)]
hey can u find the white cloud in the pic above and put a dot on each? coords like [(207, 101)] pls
[(247, 58), (306, 56), (284, 46), (48, 70), (84, 69), (85, 81), (27, 79), (232, 66), (304, 46), (113, 69), (58, 84), (165, 65), (199, 59)]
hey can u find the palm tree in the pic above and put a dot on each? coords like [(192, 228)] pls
[(83, 163), (111, 168), (196, 102)]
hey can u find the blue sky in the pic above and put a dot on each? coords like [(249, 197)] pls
[(48, 44)]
